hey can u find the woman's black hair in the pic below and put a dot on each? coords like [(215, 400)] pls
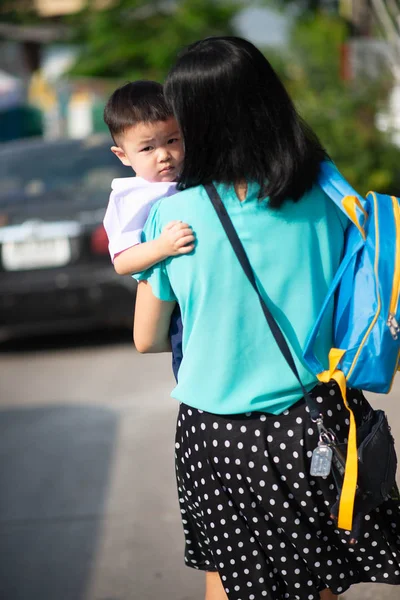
[(238, 121)]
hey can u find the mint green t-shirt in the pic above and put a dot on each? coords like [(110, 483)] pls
[(231, 363)]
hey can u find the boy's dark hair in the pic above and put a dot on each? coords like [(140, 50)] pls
[(239, 123), (135, 102)]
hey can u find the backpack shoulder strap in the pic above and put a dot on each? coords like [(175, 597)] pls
[(354, 206)]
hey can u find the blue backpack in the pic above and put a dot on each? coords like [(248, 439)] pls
[(367, 313)]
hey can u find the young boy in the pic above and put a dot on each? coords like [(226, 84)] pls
[(146, 138)]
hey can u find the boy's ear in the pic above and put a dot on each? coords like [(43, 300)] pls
[(119, 152)]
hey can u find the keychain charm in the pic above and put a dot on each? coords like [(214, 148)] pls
[(321, 460)]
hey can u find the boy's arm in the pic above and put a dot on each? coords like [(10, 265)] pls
[(138, 258), (176, 238)]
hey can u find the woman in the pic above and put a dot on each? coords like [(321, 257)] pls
[(254, 518)]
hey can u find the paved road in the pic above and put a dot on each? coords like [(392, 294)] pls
[(87, 499)]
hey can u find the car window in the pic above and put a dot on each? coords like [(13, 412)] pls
[(74, 172)]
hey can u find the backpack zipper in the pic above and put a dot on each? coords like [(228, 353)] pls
[(392, 322)]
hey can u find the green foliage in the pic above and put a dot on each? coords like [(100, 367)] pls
[(343, 114), (140, 39)]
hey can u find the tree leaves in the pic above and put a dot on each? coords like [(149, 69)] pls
[(137, 38)]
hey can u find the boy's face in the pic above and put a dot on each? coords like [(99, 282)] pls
[(153, 150)]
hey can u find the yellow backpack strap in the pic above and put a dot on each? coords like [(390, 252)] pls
[(347, 497)]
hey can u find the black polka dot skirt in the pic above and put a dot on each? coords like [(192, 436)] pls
[(252, 512)]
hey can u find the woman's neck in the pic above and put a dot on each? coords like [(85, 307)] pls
[(241, 190)]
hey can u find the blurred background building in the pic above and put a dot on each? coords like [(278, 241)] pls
[(60, 59)]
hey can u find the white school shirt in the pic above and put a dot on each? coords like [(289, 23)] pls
[(129, 206)]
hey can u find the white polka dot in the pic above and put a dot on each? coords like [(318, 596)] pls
[(257, 432), (277, 424), (290, 433), (270, 438), (243, 429), (215, 425)]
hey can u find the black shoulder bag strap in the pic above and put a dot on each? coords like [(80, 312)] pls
[(244, 261)]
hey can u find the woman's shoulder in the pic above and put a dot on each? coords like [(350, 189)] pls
[(179, 199), (319, 196)]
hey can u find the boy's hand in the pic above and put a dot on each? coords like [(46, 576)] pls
[(176, 238)]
